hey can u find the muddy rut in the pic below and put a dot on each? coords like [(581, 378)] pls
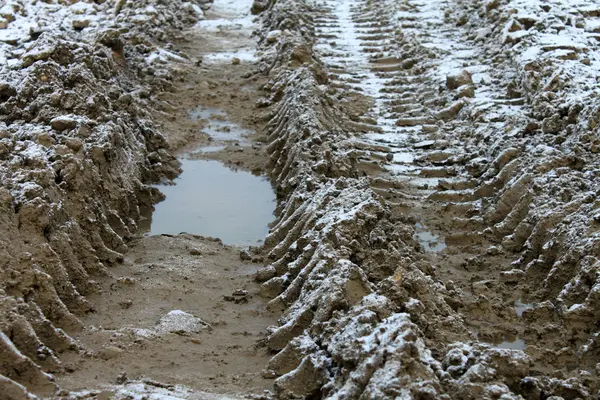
[(299, 199), (183, 309)]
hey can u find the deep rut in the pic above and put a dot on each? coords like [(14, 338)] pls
[(181, 316), (418, 70)]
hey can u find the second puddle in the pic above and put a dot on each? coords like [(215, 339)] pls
[(430, 241)]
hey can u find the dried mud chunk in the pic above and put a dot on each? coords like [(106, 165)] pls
[(466, 91), (552, 124), (273, 36), (63, 123), (301, 54), (305, 381), (6, 91), (110, 352), (258, 6), (181, 323), (458, 79), (451, 111), (111, 38), (81, 23), (47, 47), (12, 390)]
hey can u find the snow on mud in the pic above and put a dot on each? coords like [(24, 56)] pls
[(436, 171), (477, 120)]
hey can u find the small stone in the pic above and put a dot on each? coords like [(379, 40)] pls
[(389, 157), (8, 13), (408, 63), (110, 352), (63, 122), (126, 281), (462, 19), (266, 273), (7, 90), (236, 61), (258, 6), (125, 304), (481, 286), (74, 144), (122, 378), (62, 150), (429, 128), (532, 126), (493, 250), (181, 323), (238, 296), (245, 255), (80, 23), (269, 374), (452, 111), (413, 121), (45, 140), (273, 36), (195, 252)]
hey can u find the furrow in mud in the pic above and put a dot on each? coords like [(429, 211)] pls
[(441, 117), (78, 147), (436, 171)]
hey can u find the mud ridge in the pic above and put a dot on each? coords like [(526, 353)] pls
[(368, 312), (78, 148)]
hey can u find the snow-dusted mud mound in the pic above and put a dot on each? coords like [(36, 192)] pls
[(77, 149), (479, 118), (436, 167)]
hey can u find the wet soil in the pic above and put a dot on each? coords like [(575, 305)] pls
[(165, 273), (210, 122)]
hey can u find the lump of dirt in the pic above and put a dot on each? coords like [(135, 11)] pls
[(181, 323)]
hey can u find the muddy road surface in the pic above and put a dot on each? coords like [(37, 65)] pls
[(299, 199)]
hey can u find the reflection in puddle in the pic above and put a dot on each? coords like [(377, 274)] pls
[(430, 241), (210, 199), (244, 55), (518, 344), (206, 113), (219, 128), (520, 307), (211, 149)]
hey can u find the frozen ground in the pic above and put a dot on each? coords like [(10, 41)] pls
[(435, 165)]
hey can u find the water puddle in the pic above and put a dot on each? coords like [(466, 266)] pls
[(219, 128), (520, 307), (244, 55), (229, 25), (429, 240), (518, 344), (210, 199)]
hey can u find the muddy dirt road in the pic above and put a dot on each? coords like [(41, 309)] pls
[(299, 199), (183, 309)]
